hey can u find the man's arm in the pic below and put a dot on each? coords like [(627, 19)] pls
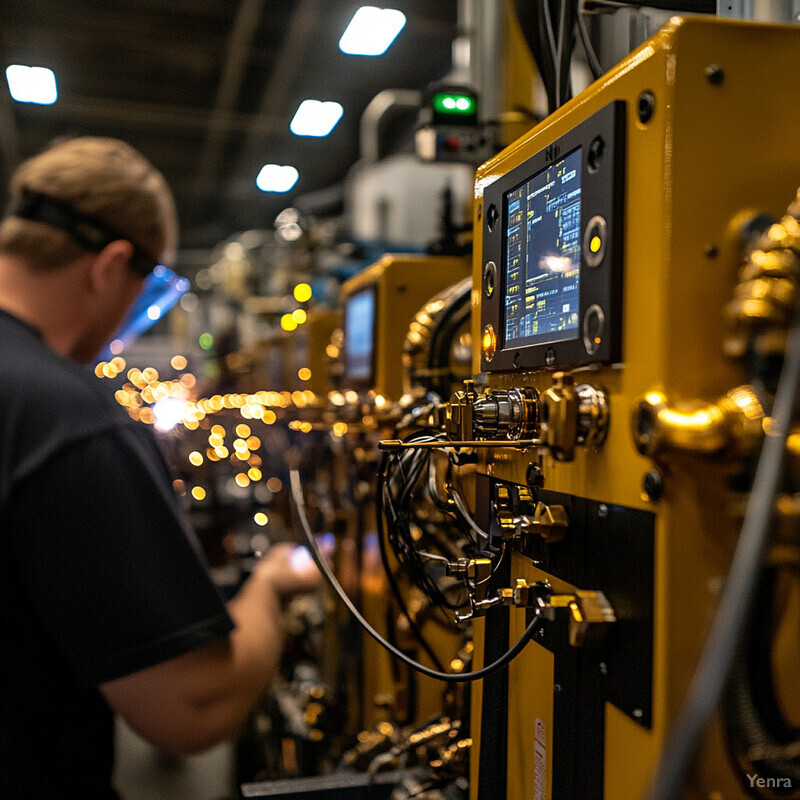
[(191, 702)]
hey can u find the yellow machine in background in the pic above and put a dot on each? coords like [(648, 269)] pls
[(607, 249), (379, 306)]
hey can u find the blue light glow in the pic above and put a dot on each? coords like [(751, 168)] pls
[(162, 289)]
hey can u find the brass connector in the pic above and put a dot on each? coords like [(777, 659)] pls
[(549, 522), (560, 417), (572, 415), (733, 426), (761, 310)]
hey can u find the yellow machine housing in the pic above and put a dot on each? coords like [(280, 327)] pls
[(399, 285), (710, 138)]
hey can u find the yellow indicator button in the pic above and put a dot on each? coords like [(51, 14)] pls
[(489, 342), (595, 244)]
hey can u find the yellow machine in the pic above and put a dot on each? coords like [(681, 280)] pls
[(379, 305), (608, 243)]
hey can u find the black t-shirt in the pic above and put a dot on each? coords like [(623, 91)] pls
[(99, 574)]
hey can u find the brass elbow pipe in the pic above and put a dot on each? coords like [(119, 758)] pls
[(732, 426)]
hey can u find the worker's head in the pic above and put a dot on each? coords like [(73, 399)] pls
[(92, 216), (103, 179)]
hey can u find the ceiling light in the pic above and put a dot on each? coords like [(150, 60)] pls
[(32, 84), (371, 31), (315, 118), (276, 178)]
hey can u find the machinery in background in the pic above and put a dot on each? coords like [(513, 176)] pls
[(382, 307)]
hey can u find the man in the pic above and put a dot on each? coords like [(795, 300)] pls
[(105, 602)]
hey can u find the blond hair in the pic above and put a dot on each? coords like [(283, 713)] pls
[(102, 178)]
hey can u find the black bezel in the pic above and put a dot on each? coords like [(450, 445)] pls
[(602, 139)]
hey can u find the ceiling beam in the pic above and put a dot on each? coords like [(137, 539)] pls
[(137, 114), (286, 74), (238, 49)]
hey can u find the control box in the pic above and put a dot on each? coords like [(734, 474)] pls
[(608, 243)]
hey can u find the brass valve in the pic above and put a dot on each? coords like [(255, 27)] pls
[(572, 415), (733, 425), (590, 612)]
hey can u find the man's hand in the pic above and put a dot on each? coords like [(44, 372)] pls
[(289, 569)]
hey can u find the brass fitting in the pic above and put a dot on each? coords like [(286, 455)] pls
[(590, 612), (761, 309), (560, 417), (549, 522), (590, 616), (511, 414), (572, 415), (459, 412), (732, 426)]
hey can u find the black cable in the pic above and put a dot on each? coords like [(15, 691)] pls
[(760, 739), (735, 603), (570, 9), (400, 516), (588, 49), (550, 55), (547, 49), (395, 589), (322, 564)]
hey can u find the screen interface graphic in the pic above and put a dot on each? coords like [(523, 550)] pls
[(359, 326), (543, 256)]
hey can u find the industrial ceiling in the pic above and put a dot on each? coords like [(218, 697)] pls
[(207, 88)]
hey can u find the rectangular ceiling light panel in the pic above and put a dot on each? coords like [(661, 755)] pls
[(371, 31), (315, 118), (276, 178), (32, 84)]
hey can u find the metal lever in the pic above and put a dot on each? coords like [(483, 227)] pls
[(399, 444)]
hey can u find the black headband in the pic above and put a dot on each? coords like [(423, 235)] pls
[(88, 231)]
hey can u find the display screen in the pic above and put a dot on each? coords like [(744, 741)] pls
[(542, 256), (359, 331)]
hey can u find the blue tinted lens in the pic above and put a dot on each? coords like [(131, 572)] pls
[(162, 289)]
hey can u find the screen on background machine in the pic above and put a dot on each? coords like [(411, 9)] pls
[(359, 331), (543, 256)]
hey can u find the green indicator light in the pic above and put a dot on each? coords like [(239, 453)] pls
[(454, 103), (206, 341)]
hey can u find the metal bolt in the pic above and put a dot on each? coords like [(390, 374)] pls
[(534, 476), (637, 713), (602, 510), (715, 74), (653, 485), (603, 668), (645, 107)]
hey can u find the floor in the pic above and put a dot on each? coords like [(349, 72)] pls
[(143, 773)]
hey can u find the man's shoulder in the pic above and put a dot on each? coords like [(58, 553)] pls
[(46, 403)]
